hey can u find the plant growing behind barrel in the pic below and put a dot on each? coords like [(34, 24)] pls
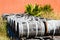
[(37, 10)]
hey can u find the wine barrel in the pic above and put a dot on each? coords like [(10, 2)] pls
[(31, 29)]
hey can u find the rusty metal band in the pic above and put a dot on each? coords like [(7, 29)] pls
[(45, 27), (27, 29), (36, 28)]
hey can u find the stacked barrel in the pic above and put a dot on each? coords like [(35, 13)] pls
[(27, 26)]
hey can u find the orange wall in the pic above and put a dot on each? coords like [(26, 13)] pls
[(16, 6)]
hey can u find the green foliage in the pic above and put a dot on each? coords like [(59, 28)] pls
[(47, 8), (37, 10), (29, 9)]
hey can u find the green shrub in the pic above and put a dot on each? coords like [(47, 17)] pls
[(37, 10)]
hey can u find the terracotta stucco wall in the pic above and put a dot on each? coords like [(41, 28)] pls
[(16, 6)]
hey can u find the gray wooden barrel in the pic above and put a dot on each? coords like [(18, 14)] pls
[(30, 29)]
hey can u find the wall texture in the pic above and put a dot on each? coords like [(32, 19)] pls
[(16, 6)]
